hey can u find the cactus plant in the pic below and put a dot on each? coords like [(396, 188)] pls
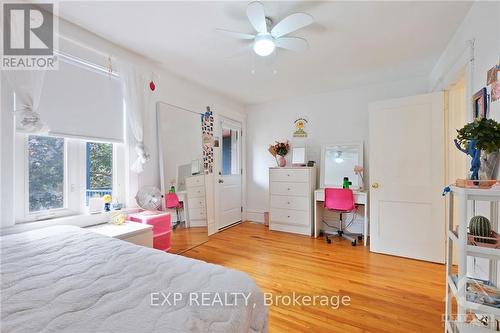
[(480, 226)]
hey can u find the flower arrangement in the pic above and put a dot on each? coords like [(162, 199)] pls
[(279, 149)]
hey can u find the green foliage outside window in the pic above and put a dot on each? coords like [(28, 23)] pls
[(46, 173), (100, 166)]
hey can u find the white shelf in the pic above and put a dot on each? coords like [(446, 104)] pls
[(453, 326), (463, 197), (477, 193)]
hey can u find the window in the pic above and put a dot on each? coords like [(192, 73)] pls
[(230, 151), (56, 176), (99, 176), (46, 173)]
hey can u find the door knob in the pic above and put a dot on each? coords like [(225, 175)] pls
[(375, 185), (221, 181)]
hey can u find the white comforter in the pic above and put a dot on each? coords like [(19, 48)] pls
[(67, 279)]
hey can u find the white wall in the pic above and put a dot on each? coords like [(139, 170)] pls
[(171, 89), (333, 117), (482, 23)]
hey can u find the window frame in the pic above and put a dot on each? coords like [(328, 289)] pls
[(74, 179)]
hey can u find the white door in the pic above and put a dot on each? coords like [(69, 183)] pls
[(407, 158), (229, 181)]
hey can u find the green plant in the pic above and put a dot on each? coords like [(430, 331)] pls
[(480, 226), (485, 131)]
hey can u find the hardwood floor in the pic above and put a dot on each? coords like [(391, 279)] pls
[(184, 239), (388, 294)]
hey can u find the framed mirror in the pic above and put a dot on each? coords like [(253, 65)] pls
[(338, 161), (182, 175)]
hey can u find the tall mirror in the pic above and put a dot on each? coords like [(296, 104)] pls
[(338, 162), (182, 175)]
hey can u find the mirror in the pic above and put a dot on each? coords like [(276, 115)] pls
[(182, 175), (338, 161)]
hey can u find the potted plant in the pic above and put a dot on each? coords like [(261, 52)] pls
[(480, 140), (279, 151)]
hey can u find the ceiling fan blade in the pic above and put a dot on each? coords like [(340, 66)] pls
[(257, 16), (291, 23), (292, 43), (235, 34)]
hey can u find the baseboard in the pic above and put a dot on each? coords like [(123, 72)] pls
[(255, 216)]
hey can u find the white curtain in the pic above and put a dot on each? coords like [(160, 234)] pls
[(27, 84), (136, 94)]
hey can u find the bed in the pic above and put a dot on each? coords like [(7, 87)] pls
[(67, 279)]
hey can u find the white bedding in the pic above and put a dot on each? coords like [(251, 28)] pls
[(66, 279)]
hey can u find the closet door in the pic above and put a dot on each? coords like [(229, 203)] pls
[(407, 158)]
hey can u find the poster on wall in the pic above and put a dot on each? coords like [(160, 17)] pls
[(207, 128), (300, 125)]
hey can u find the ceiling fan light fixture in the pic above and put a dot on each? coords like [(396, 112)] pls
[(264, 45)]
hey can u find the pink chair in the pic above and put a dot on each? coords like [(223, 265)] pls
[(172, 202), (340, 200)]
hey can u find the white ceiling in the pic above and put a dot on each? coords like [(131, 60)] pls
[(351, 43)]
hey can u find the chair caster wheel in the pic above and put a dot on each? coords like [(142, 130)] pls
[(340, 233), (360, 238), (328, 241), (321, 233), (353, 243)]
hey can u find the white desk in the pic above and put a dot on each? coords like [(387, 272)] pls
[(360, 198)]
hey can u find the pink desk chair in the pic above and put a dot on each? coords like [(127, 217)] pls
[(340, 200), (172, 202)]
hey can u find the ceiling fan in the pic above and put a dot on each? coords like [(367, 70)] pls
[(269, 37)]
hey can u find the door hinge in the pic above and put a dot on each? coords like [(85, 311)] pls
[(242, 209)]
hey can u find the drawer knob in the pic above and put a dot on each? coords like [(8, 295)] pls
[(288, 189), (288, 174), (288, 216), (288, 202)]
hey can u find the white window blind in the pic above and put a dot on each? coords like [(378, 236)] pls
[(79, 101)]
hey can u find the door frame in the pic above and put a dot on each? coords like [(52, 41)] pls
[(219, 119)]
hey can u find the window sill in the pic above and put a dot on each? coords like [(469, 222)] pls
[(80, 220)]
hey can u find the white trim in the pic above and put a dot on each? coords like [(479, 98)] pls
[(255, 216)]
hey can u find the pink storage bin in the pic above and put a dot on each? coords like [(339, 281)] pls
[(159, 220), (161, 227), (162, 241)]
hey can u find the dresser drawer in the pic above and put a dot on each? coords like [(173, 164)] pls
[(290, 202), (288, 216), (197, 213), (198, 202), (292, 189), (196, 192), (195, 181), (289, 175)]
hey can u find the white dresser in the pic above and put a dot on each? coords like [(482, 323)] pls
[(291, 194), (196, 203)]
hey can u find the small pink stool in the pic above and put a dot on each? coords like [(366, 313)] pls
[(161, 227)]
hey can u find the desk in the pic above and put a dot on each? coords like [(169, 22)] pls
[(360, 198)]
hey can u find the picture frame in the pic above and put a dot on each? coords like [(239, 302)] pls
[(298, 156), (480, 104)]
